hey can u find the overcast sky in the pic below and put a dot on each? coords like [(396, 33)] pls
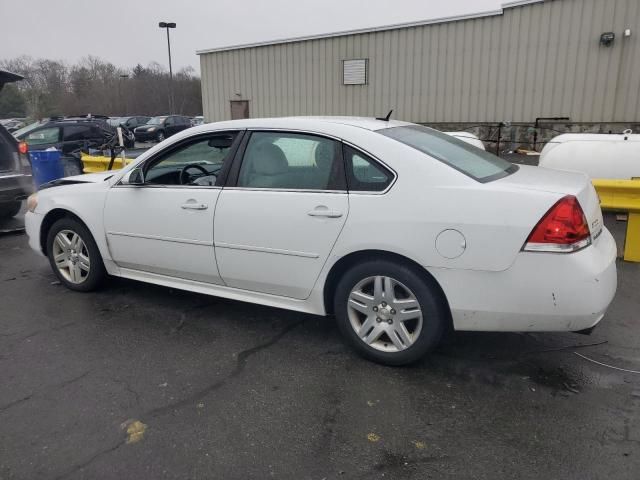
[(126, 32)]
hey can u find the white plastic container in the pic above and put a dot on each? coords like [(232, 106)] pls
[(470, 138), (597, 155)]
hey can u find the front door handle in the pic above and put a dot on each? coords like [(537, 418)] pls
[(324, 213), (194, 206)]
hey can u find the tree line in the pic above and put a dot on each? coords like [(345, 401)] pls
[(53, 87)]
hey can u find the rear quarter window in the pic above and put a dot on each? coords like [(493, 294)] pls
[(365, 174)]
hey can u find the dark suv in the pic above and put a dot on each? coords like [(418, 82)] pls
[(71, 134), (159, 128), (15, 170)]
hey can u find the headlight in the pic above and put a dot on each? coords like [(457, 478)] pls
[(152, 129), (32, 202)]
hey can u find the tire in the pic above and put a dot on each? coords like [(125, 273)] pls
[(9, 209), (83, 269), (160, 137), (395, 332)]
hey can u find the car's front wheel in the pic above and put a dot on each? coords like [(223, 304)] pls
[(160, 137), (390, 313), (74, 255)]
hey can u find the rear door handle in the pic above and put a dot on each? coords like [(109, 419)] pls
[(324, 213), (194, 206)]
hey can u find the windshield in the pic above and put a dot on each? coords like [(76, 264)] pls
[(477, 164), (24, 130), (156, 120)]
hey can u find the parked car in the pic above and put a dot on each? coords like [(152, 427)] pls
[(159, 128), (15, 170), (12, 124), (399, 230), (70, 134), (197, 120), (469, 138), (129, 123), (595, 154)]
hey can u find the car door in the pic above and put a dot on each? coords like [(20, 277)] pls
[(281, 213), (75, 137), (165, 225), (169, 126)]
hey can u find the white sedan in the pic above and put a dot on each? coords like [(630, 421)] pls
[(400, 231)]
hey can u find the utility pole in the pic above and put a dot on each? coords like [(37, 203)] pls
[(167, 26), (123, 76)]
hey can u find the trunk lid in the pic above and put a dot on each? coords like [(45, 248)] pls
[(562, 183)]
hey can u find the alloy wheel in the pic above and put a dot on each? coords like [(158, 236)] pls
[(385, 314), (71, 256)]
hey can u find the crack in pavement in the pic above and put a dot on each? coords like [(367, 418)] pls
[(241, 363), (15, 402), (52, 387), (128, 388), (90, 460)]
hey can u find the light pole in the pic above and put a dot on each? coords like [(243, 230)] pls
[(167, 26), (126, 102)]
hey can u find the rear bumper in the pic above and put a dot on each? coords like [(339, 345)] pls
[(539, 292), (32, 224)]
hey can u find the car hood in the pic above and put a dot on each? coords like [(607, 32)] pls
[(86, 178), (144, 128), (91, 177)]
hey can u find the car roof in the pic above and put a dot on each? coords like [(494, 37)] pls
[(366, 123)]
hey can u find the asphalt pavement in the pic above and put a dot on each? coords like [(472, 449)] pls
[(141, 381)]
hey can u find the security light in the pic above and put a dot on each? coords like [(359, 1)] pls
[(607, 38)]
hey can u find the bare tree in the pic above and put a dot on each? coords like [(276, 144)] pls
[(94, 86)]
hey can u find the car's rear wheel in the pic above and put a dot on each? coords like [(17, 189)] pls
[(9, 209), (160, 137), (390, 313), (74, 255)]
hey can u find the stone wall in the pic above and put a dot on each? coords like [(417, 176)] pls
[(523, 135)]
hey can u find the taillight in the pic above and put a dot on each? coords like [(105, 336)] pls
[(563, 228), (23, 148)]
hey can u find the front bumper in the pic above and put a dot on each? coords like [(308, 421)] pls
[(144, 136), (539, 292), (32, 225)]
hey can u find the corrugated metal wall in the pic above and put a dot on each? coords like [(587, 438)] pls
[(541, 59)]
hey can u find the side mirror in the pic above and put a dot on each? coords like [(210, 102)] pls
[(134, 177)]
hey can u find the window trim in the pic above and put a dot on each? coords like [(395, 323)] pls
[(375, 160), (234, 174), (224, 171)]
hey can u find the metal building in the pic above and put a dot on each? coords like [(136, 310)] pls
[(532, 58)]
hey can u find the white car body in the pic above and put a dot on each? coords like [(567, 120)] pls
[(469, 138), (262, 246), (597, 155)]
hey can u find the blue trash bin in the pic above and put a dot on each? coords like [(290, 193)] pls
[(46, 166)]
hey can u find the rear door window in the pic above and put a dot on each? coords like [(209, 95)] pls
[(74, 133), (43, 136), (292, 161)]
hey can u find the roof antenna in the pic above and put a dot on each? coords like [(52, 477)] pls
[(385, 119)]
